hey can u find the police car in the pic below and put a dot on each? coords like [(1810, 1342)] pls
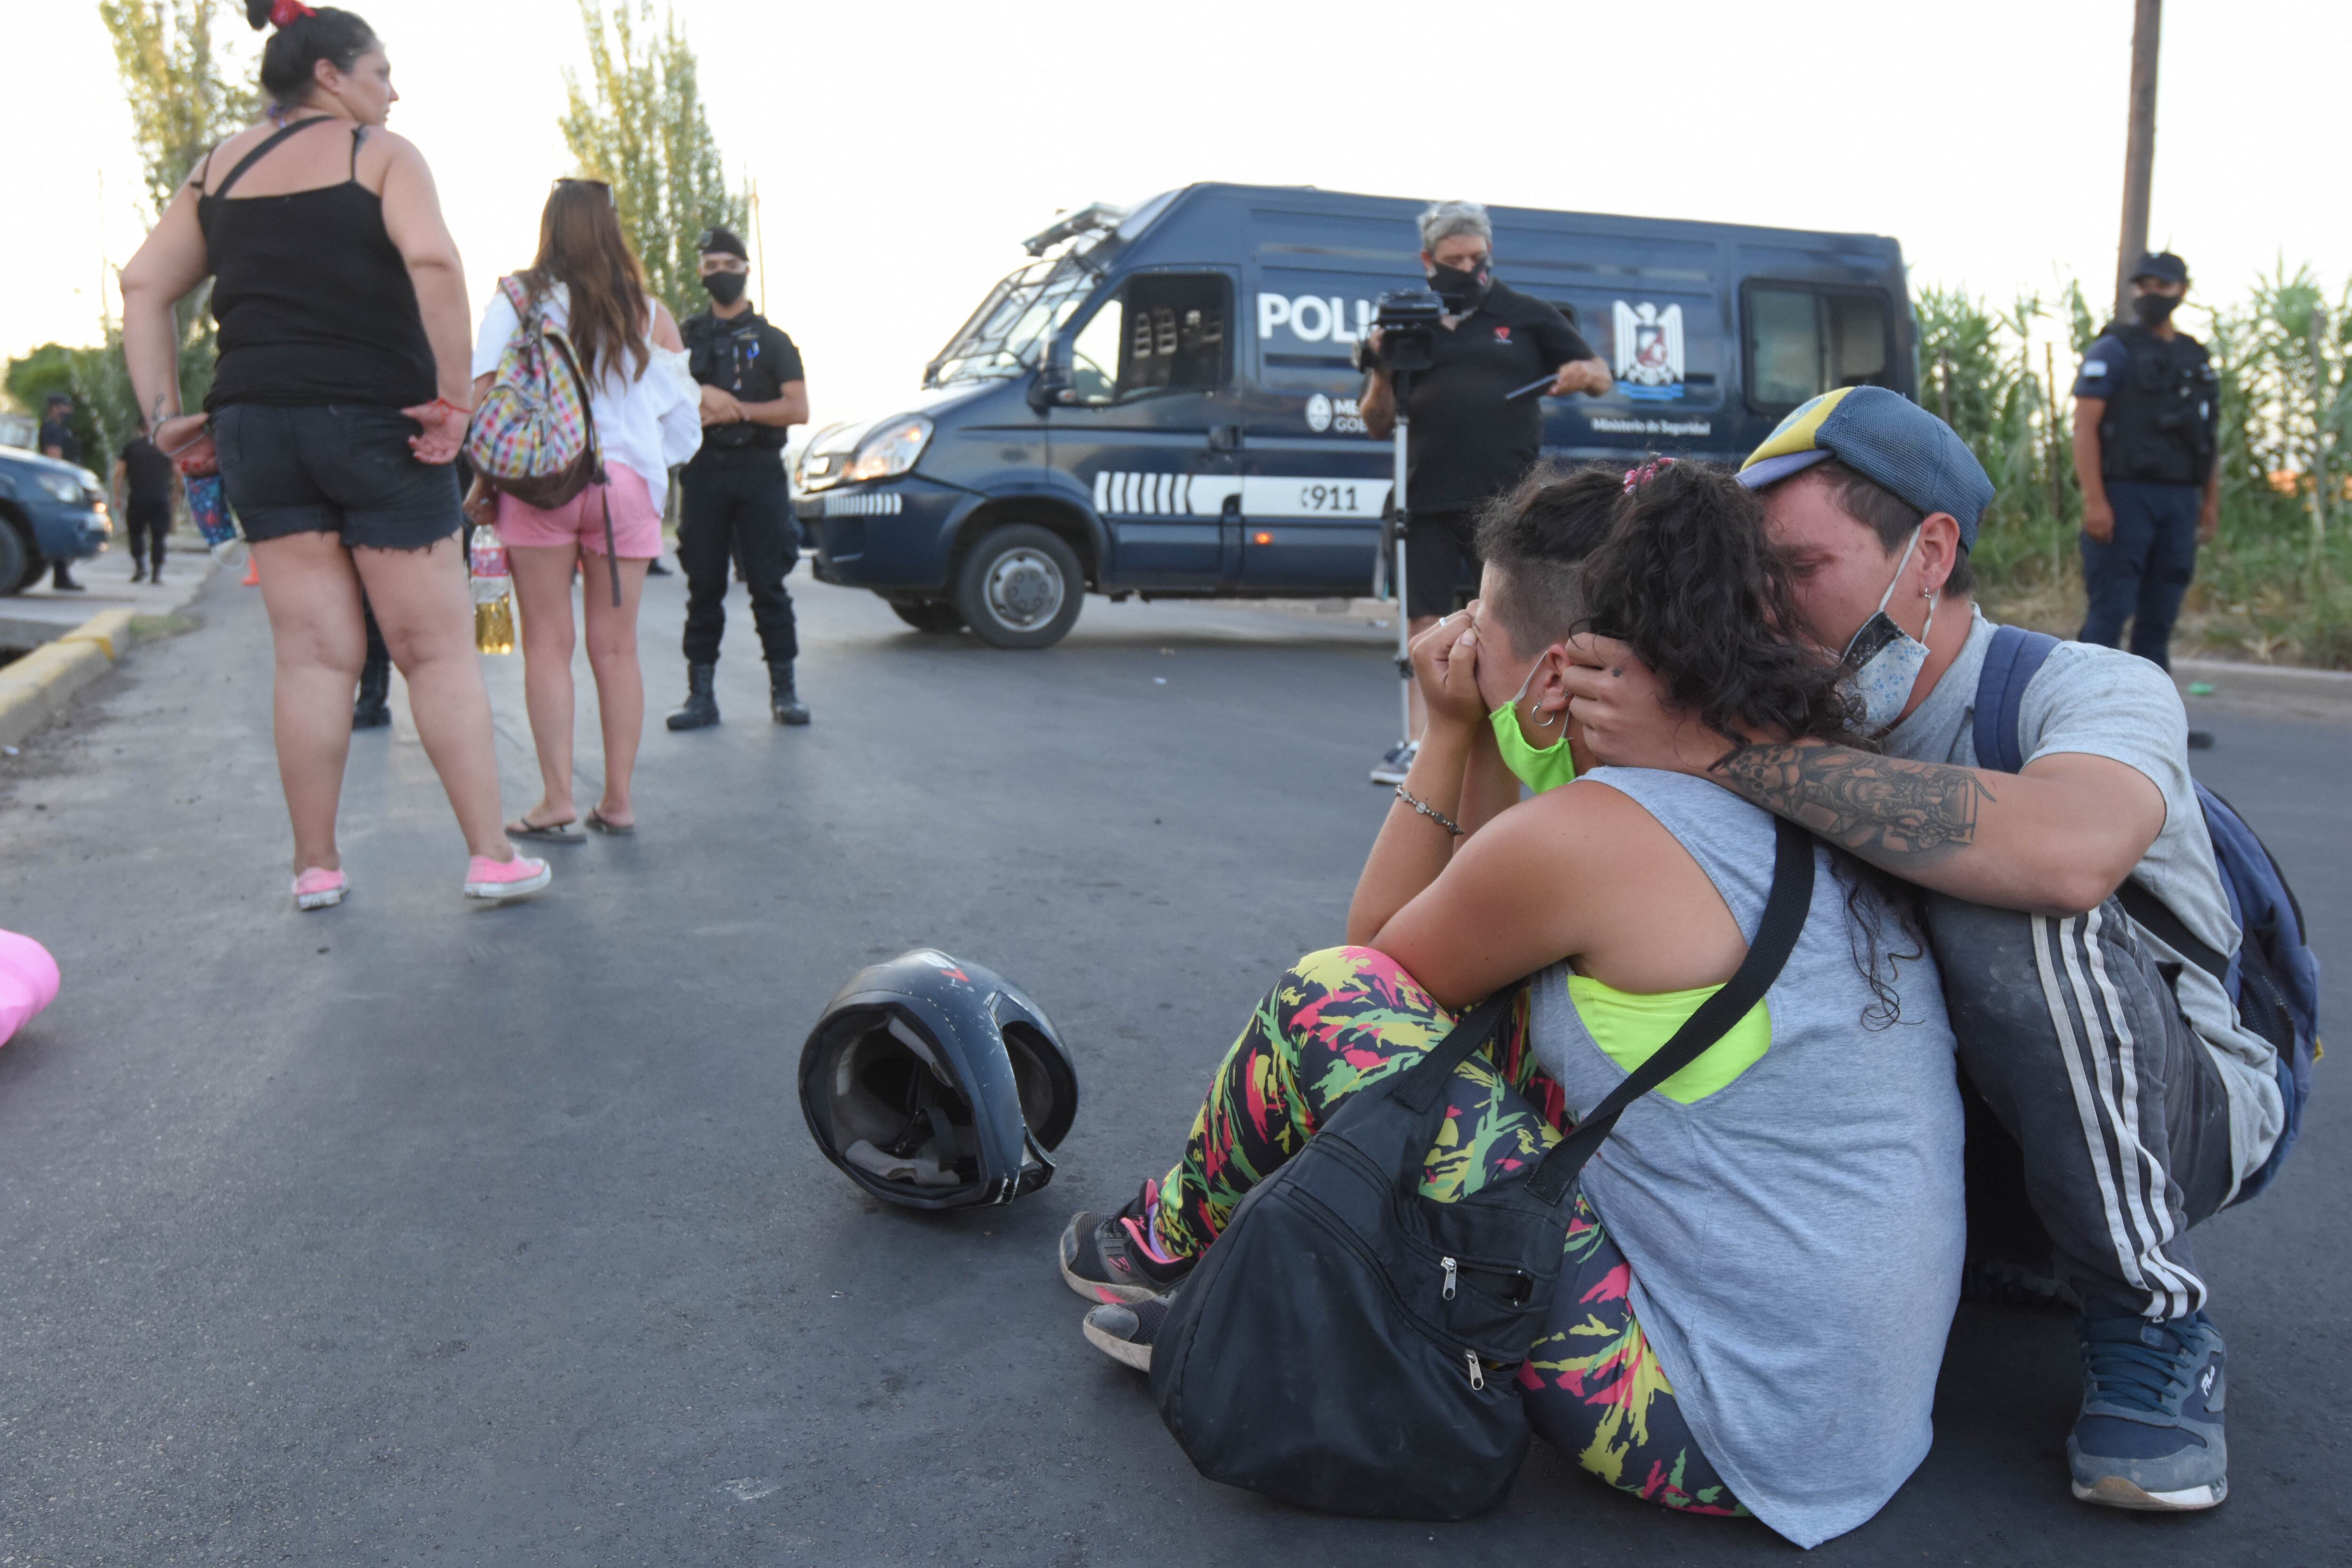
[(1163, 403)]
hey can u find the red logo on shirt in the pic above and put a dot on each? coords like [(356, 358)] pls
[(1502, 334)]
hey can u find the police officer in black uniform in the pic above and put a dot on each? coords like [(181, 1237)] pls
[(736, 504), (1469, 441), (57, 440), (2147, 411)]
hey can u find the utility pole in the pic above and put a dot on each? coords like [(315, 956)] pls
[(2139, 148)]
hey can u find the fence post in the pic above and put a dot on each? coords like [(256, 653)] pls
[(2318, 434), (2061, 453)]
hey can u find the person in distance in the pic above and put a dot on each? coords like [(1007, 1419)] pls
[(587, 282)]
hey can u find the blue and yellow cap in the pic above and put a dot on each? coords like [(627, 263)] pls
[(1887, 439)]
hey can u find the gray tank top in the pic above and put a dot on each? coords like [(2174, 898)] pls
[(1795, 1236)]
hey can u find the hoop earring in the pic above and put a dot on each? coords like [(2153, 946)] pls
[(1543, 723)]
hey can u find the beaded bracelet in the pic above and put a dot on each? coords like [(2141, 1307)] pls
[(1429, 811)]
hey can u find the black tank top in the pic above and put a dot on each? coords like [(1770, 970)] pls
[(314, 299)]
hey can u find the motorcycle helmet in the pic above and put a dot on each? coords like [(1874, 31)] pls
[(937, 1084)]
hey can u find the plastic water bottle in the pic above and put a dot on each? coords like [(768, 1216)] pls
[(210, 510), (494, 628)]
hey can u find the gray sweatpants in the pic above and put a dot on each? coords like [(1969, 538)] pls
[(2106, 1113)]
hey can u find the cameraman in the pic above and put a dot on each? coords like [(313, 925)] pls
[(1467, 442)]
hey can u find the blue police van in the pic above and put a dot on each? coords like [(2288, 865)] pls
[(1163, 402)]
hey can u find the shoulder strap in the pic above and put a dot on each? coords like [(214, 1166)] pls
[(358, 134), (2011, 663), (1776, 937), (2150, 911), (267, 144)]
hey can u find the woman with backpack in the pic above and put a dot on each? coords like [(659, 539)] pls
[(340, 399), (1763, 1256), (587, 286)]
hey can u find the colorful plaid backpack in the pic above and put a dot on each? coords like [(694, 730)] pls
[(534, 435)]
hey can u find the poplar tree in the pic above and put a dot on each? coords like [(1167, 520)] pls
[(638, 122)]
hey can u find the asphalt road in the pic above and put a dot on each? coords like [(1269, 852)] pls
[(410, 1233)]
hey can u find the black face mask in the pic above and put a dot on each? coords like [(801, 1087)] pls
[(1457, 286), (726, 287), (2154, 309)]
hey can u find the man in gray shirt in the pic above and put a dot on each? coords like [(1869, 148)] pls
[(2126, 1105)]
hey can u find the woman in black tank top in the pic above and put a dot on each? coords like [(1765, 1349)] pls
[(339, 400)]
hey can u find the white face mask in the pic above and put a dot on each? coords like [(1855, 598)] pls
[(1883, 661)]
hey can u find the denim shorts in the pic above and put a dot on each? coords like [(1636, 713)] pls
[(342, 469)]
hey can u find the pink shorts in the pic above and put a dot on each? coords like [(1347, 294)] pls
[(636, 520)]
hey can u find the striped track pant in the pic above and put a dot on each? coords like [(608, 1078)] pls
[(2119, 1121)]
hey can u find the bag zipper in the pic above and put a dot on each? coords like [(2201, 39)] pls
[(1477, 1373), (1447, 1264)]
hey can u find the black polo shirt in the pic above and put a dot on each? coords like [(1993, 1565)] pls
[(1466, 442), (147, 474)]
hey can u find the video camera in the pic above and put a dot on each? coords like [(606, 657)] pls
[(1408, 321)]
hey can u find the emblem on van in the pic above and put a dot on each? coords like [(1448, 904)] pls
[(1649, 352), (1319, 414)]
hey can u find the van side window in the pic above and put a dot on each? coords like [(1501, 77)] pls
[(1163, 333), (1803, 340)]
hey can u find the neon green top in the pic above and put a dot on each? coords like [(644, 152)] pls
[(1630, 1027)]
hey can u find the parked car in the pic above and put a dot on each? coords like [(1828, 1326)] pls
[(49, 511), (1163, 402)]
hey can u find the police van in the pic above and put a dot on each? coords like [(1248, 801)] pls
[(1164, 402)]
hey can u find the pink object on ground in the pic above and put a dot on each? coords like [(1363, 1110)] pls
[(636, 520), (320, 888), (28, 982), (488, 879)]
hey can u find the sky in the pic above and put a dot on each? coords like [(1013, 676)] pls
[(902, 152)]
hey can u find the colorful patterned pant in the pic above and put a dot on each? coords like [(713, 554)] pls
[(1348, 1016)]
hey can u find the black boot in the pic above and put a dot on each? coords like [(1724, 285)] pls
[(371, 711), (785, 703), (701, 709)]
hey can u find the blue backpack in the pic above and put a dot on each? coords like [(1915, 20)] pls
[(2274, 977)]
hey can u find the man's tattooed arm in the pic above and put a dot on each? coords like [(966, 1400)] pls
[(1892, 813)]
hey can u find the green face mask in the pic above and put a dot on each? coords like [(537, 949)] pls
[(1539, 768)]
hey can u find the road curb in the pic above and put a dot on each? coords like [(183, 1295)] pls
[(39, 687), (2305, 689)]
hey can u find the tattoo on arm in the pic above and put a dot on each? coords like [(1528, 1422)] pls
[(1887, 810)]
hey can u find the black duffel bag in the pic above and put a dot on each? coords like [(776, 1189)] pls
[(1351, 1346)]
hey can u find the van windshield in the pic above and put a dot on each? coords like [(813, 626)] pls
[(1013, 325)]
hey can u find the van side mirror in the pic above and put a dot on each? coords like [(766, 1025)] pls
[(1052, 386)]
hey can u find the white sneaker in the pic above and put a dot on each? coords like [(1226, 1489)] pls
[(1391, 769)]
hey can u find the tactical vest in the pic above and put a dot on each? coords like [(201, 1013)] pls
[(728, 356), (2160, 426)]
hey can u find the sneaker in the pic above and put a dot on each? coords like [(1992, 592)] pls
[(1391, 769), (2149, 1435), (1124, 1330), (515, 878), (1113, 1258), (320, 888)]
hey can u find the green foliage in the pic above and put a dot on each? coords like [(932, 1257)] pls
[(182, 105), (2273, 583), (640, 125), (104, 413)]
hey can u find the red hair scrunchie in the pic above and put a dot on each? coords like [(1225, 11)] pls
[(1646, 472), (286, 13)]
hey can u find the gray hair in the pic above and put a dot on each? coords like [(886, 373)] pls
[(1442, 221)]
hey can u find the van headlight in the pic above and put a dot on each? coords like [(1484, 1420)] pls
[(890, 450), (827, 455), (62, 487)]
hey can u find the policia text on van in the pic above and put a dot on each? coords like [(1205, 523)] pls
[(1164, 402)]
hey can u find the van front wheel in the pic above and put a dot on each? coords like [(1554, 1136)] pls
[(1021, 587)]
